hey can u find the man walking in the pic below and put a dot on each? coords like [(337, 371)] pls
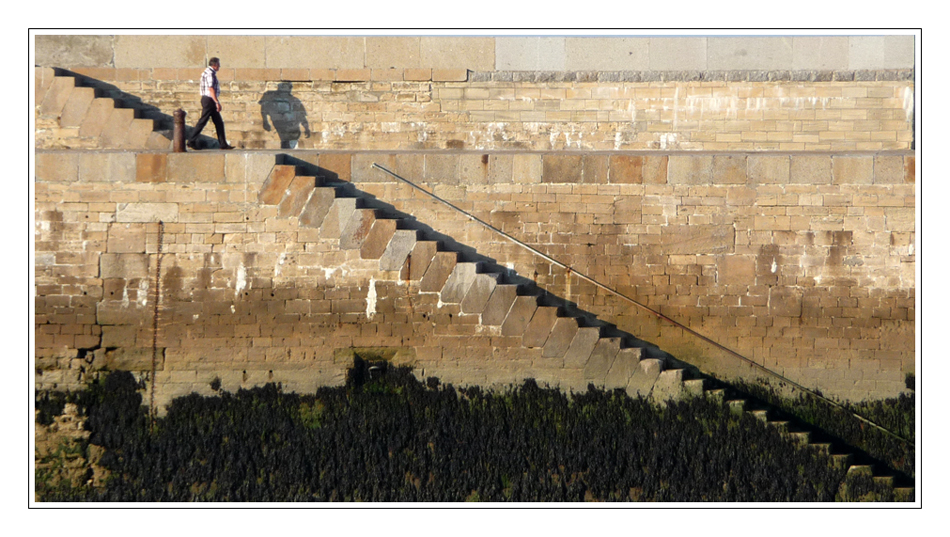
[(210, 106)]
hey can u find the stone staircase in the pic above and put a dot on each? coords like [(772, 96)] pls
[(608, 361), (73, 116)]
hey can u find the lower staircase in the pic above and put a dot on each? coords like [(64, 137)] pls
[(73, 116), (608, 358)]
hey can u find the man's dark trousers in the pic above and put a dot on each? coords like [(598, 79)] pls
[(209, 110)]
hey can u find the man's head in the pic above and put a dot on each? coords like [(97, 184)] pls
[(214, 63)]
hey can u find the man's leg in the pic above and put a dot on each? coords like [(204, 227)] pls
[(219, 127), (206, 114)]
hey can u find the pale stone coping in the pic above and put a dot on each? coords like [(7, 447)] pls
[(875, 75)]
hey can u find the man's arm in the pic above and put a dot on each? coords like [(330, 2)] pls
[(214, 95)]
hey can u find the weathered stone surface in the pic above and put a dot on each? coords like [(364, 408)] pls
[(398, 249), (601, 359), (443, 263), (456, 286), (76, 107), (123, 265), (357, 228), (296, 196), (698, 239), (560, 338), (669, 385), (96, 117), (378, 239), (478, 293), (623, 368), (139, 133), (146, 212), (420, 258), (126, 238), (276, 184), (317, 207), (581, 347), (337, 217), (57, 96), (519, 315), (116, 130), (643, 379), (539, 328), (499, 304)]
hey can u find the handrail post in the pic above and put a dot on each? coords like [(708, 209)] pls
[(178, 139)]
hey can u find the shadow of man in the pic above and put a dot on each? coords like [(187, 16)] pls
[(286, 113)]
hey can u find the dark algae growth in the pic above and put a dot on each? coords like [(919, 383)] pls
[(386, 437)]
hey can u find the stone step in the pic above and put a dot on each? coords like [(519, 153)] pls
[(581, 347), (520, 313), (276, 184), (397, 251), (601, 359), (116, 129), (540, 326), (420, 257), (560, 338), (56, 97), (96, 117), (159, 141), (296, 196), (842, 460), (625, 365), (822, 447), (737, 406), (80, 99), (378, 238), (760, 414), (861, 469), (479, 293), (317, 207), (904, 494), (716, 394), (496, 310), (645, 377), (139, 133), (357, 229), (694, 386), (801, 437), (44, 77), (668, 385), (458, 282), (441, 266), (337, 217)]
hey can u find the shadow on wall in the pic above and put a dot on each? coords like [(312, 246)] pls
[(469, 254), (283, 111)]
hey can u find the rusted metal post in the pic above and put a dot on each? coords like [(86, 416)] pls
[(178, 141)]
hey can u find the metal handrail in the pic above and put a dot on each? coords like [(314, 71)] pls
[(644, 307)]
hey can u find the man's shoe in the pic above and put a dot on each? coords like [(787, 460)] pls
[(227, 147), (192, 145)]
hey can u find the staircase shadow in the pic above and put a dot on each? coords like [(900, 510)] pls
[(467, 253), (164, 123)]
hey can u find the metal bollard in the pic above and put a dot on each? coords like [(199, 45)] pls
[(178, 141)]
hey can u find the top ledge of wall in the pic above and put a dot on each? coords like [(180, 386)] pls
[(882, 75)]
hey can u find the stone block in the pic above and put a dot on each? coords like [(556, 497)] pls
[(357, 228), (118, 336), (140, 131), (625, 169), (43, 77), (819, 53), (317, 207), (458, 283), (296, 196), (420, 258), (353, 75), (57, 167), (668, 386), (560, 338), (393, 52), (530, 54), (697, 239), (150, 51), (888, 170), (196, 167), (107, 167), (522, 309), (690, 170), (601, 359), (57, 96), (115, 132), (475, 53), (96, 117), (677, 54), (449, 75), (880, 52), (150, 167), (644, 377), (624, 366), (337, 164), (785, 302), (418, 74), (378, 239), (769, 169), (72, 50), (852, 170), (748, 53), (398, 249), (126, 238), (146, 212), (125, 266), (809, 169), (245, 51), (478, 293), (320, 52), (526, 168), (135, 359), (540, 326), (441, 266), (276, 184), (496, 310), (729, 170), (76, 107), (581, 347), (735, 270), (562, 169), (607, 53)]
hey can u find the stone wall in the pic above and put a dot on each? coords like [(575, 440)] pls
[(802, 262)]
